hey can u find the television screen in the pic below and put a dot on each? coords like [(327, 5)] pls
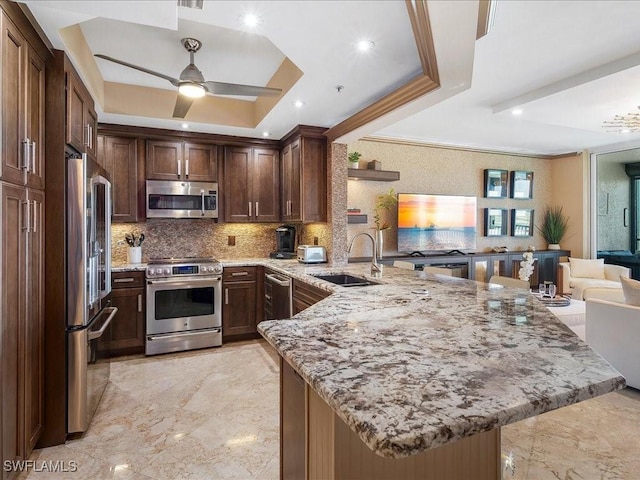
[(436, 222)]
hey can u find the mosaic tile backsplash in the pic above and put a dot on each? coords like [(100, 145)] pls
[(166, 238)]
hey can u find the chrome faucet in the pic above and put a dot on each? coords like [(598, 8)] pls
[(375, 268)]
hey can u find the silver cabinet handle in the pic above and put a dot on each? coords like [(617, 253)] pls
[(268, 297), (140, 303), (34, 219), (26, 216), (239, 274), (257, 209), (186, 167), (226, 296), (178, 160), (25, 154), (123, 280), (201, 193), (33, 157), (250, 209), (88, 133)]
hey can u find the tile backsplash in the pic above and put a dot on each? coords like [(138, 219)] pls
[(166, 238)]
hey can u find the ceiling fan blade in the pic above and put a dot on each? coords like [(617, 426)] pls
[(174, 81), (220, 88), (183, 104)]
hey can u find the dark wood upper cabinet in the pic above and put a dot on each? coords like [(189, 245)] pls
[(119, 157), (251, 185), (23, 97), (82, 121), (177, 160), (304, 176)]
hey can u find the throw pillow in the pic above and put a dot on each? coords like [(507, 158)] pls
[(631, 290), (584, 268)]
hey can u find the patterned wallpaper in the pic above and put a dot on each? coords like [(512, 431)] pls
[(447, 171)]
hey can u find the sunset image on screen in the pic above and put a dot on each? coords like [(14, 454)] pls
[(436, 222)]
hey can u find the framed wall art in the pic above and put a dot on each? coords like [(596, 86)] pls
[(521, 222), (495, 183), (521, 185), (495, 222)]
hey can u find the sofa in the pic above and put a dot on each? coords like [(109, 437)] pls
[(613, 330), (577, 286)]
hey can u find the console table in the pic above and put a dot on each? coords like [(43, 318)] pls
[(483, 265)]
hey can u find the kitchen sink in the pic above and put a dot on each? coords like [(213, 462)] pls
[(345, 280)]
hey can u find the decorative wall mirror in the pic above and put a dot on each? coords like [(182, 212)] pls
[(522, 185), (495, 222), (521, 222), (496, 183)]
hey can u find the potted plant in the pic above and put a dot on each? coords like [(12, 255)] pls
[(354, 158), (554, 226), (383, 203)]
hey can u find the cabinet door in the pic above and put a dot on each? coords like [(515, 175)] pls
[(34, 325), (35, 117), (237, 168), (295, 212), (164, 160), (118, 156), (13, 318), (13, 57), (76, 108), (200, 162), (127, 327), (265, 180), (239, 309), (313, 180)]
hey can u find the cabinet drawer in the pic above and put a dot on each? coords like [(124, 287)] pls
[(308, 294), (239, 274), (127, 279)]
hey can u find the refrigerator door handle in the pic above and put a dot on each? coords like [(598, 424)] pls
[(112, 313)]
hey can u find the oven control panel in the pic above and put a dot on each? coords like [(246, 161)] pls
[(158, 271)]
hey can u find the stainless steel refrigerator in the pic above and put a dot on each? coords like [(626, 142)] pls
[(88, 266)]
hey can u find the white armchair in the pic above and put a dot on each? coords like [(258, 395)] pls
[(577, 286), (613, 330)]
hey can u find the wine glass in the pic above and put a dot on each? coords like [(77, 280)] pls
[(552, 290), (541, 289)]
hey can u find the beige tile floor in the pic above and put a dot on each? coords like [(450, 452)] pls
[(213, 414)]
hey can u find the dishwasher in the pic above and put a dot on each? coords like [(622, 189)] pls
[(277, 296)]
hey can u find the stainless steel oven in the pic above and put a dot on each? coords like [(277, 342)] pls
[(176, 199), (184, 305)]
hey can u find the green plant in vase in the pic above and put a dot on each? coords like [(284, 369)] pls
[(554, 226), (384, 203), (354, 158)]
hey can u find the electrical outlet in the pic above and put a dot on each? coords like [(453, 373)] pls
[(231, 240), (315, 240)]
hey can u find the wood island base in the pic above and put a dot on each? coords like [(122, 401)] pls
[(315, 444)]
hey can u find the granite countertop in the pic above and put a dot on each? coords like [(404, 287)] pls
[(423, 360)]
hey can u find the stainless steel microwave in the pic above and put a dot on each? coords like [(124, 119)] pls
[(176, 199)]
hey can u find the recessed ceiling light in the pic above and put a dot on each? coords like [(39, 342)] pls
[(365, 45), (250, 20), (185, 125), (265, 134), (298, 104), (516, 111)]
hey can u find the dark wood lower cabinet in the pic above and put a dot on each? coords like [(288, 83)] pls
[(128, 326), (305, 295), (242, 302)]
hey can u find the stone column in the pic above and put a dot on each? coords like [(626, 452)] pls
[(337, 202)]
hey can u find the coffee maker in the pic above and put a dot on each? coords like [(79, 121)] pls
[(285, 242)]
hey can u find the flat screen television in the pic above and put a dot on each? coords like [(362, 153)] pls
[(436, 222)]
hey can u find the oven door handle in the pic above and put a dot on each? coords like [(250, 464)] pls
[(112, 313), (185, 283)]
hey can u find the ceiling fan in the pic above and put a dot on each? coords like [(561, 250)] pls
[(192, 84)]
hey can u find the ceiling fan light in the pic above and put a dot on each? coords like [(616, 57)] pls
[(191, 90)]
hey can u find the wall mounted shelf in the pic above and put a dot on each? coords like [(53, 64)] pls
[(373, 175)]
